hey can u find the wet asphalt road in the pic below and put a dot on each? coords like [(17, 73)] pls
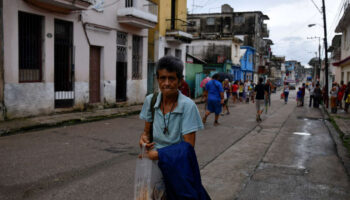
[(290, 155)]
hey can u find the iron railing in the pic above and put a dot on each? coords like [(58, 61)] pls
[(177, 24), (145, 5), (30, 47)]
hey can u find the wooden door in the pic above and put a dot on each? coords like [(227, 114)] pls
[(95, 73)]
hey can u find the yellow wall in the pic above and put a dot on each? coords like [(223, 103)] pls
[(164, 13)]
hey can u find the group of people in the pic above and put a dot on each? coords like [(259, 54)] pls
[(340, 93), (217, 95)]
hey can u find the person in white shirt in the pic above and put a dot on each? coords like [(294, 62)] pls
[(311, 92)]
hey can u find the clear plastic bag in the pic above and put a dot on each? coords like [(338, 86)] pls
[(149, 184)]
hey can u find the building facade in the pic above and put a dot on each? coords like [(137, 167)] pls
[(344, 28), (248, 26), (62, 54)]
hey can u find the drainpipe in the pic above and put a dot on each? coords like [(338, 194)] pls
[(2, 81)]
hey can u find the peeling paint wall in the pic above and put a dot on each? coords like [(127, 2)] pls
[(27, 99)]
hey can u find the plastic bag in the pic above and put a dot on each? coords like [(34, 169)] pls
[(149, 184)]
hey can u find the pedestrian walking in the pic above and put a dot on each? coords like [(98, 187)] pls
[(302, 94), (235, 92), (299, 97), (240, 91), (268, 88), (260, 95), (227, 91), (311, 92), (246, 91), (334, 97), (215, 99), (252, 93), (171, 122), (286, 92), (317, 95)]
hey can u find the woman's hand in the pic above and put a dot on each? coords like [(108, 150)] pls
[(153, 155), (144, 140)]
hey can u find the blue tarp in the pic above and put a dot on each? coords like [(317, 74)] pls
[(180, 170)]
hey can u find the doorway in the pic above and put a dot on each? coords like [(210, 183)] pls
[(95, 74), (121, 66), (63, 64)]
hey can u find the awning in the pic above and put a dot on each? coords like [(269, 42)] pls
[(342, 62)]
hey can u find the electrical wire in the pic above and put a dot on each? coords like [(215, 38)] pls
[(319, 10)]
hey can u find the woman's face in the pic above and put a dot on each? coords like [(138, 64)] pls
[(168, 82)]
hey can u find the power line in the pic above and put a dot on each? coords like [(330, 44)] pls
[(319, 10)]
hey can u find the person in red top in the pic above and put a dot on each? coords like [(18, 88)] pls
[(234, 91), (184, 88)]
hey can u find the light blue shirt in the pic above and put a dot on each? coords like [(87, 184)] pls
[(184, 119)]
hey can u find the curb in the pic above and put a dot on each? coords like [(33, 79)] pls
[(342, 152), (69, 122)]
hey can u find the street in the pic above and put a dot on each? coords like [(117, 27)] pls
[(289, 155)]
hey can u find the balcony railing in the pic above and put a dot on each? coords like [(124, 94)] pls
[(146, 6), (177, 25)]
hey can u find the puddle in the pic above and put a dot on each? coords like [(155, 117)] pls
[(310, 118), (302, 133)]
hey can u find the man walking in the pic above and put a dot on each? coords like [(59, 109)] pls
[(215, 98), (268, 89), (260, 93), (311, 92), (302, 94)]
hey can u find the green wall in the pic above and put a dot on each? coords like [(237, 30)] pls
[(191, 70)]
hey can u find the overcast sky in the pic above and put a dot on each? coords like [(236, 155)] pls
[(288, 22)]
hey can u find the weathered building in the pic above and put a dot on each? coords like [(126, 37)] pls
[(63, 54), (344, 28), (249, 25), (335, 50)]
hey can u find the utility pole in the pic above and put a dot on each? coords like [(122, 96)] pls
[(325, 49), (318, 69)]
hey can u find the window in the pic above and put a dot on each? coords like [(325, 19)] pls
[(178, 53), (166, 51), (136, 57), (239, 20), (30, 47), (211, 21)]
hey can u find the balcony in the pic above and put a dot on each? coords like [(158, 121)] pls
[(265, 31), (176, 31), (62, 6), (138, 13), (345, 19)]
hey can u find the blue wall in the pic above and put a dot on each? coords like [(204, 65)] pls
[(247, 62)]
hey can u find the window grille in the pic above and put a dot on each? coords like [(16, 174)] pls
[(30, 47), (128, 3), (136, 57)]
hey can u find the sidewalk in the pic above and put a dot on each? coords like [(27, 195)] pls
[(46, 121), (342, 119), (339, 128)]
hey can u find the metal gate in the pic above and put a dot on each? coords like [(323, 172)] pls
[(121, 66), (151, 77), (64, 64)]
